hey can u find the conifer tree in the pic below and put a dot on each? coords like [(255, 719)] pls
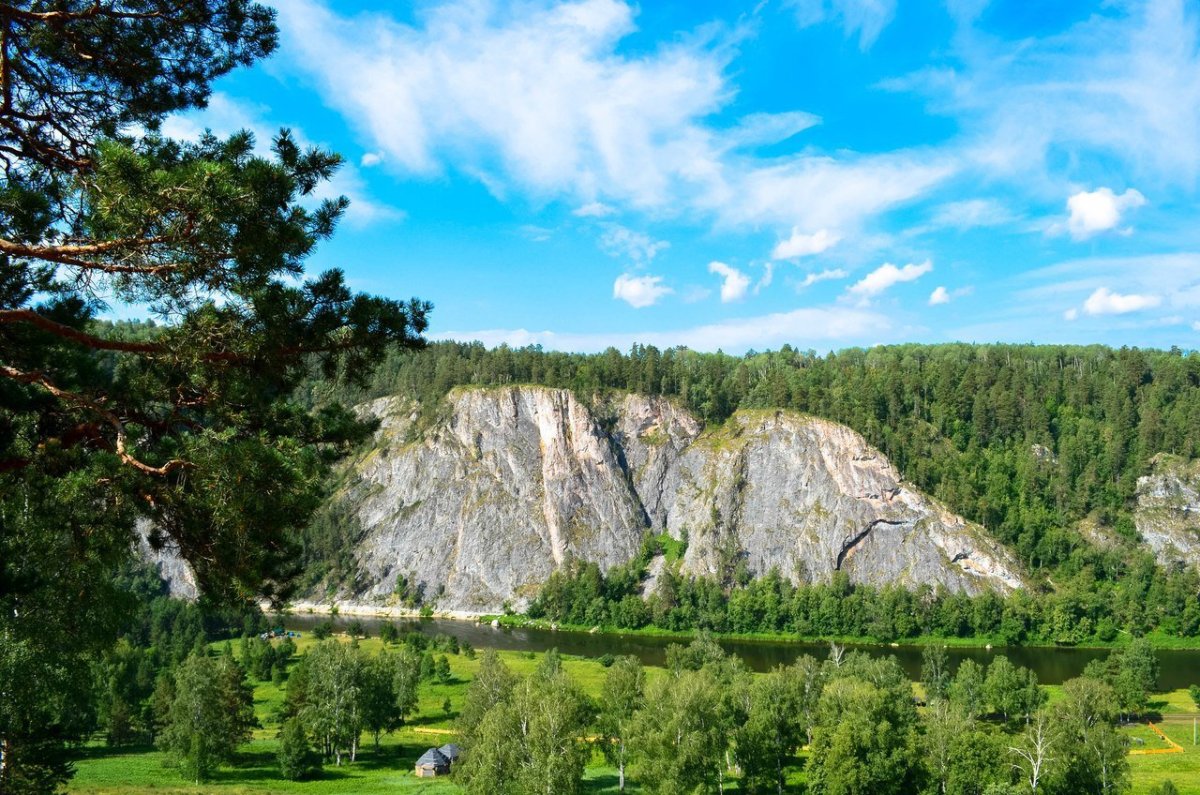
[(184, 428)]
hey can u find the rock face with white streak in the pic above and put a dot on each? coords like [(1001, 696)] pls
[(510, 483), (513, 483)]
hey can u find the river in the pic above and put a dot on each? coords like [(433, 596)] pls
[(1052, 665)]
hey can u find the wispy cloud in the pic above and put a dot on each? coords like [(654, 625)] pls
[(823, 276), (593, 210), (1118, 91), (541, 99), (620, 241), (867, 18), (972, 213), (800, 327), (886, 276)]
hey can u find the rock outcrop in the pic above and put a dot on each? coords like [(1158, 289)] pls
[(481, 506), (1167, 515), (486, 504)]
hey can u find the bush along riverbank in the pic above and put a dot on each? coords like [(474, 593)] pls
[(1166, 608)]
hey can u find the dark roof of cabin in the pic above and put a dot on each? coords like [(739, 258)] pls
[(450, 751), (433, 757)]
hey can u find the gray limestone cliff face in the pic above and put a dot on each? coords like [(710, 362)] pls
[(809, 497), (174, 570), (512, 482), (487, 503), (1167, 515)]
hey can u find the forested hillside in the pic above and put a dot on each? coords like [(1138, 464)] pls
[(1026, 440)]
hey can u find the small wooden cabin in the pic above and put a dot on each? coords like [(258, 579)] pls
[(432, 763)]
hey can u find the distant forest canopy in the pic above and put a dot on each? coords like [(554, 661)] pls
[(1024, 439)]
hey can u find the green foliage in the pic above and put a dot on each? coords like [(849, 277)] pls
[(492, 685), (623, 694), (182, 431), (211, 714), (679, 739), (865, 741), (297, 759), (935, 672), (525, 737), (774, 727), (968, 689), (580, 594)]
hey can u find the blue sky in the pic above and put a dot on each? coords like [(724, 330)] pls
[(823, 173)]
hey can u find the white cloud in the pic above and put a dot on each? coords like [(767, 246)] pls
[(1071, 314), (1099, 210), (826, 193), (620, 241), (1196, 326), (972, 213), (544, 100), (802, 245), (593, 210), (371, 159), (767, 277), (823, 276), (640, 291), (939, 296), (887, 275), (734, 283), (1106, 302), (764, 129), (805, 327), (867, 18), (1118, 90), (694, 294)]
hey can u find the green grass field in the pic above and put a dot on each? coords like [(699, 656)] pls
[(141, 770)]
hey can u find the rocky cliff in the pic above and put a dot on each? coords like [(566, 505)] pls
[(481, 506), (1167, 515)]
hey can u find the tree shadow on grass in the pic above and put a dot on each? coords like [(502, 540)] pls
[(102, 751), (258, 766)]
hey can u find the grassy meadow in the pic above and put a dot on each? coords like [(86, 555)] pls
[(138, 770)]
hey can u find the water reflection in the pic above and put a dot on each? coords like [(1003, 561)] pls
[(1052, 665)]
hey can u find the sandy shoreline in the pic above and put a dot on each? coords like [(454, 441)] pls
[(368, 611)]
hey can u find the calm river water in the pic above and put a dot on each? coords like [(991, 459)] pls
[(1052, 665)]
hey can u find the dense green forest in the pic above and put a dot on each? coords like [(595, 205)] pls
[(961, 421)]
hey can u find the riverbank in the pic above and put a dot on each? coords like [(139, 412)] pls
[(1157, 639), (335, 609), (370, 611)]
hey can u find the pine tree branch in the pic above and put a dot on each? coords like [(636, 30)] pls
[(75, 255), (121, 448), (75, 335)]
